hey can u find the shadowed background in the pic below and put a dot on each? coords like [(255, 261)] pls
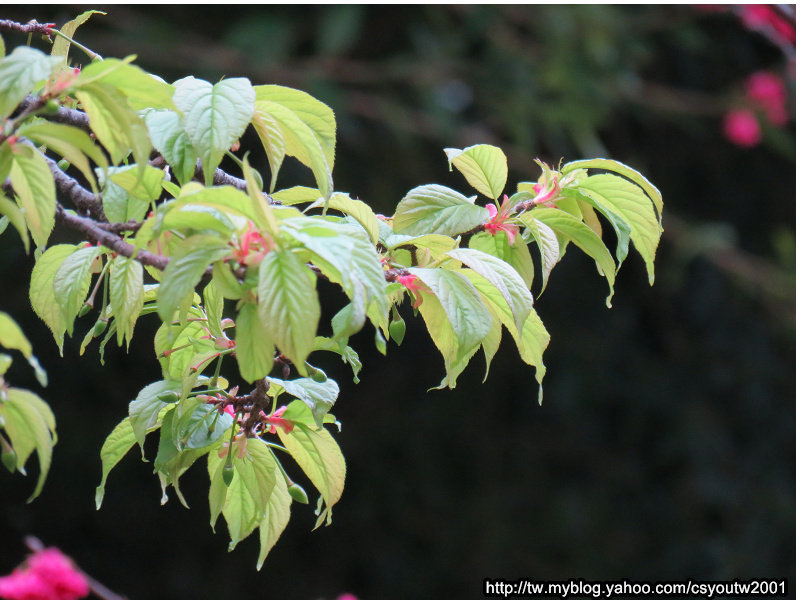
[(665, 445)]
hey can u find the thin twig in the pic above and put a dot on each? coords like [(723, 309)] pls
[(29, 27)]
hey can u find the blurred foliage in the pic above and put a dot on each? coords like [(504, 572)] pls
[(670, 457)]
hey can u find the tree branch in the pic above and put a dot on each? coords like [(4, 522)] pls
[(29, 27), (67, 116), (85, 201)]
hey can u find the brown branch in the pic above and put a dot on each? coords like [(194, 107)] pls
[(85, 201), (66, 116), (29, 27), (95, 233)]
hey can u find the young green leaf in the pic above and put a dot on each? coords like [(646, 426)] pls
[(437, 209), (117, 445), (126, 295), (276, 517), (359, 210), (189, 261), (318, 396), (16, 217), (145, 410), (271, 136), (319, 456), (141, 89), (254, 350), (61, 44), (619, 196), (288, 304), (171, 140), (36, 192), (549, 249), (215, 116), (42, 291), (30, 425), (502, 276), (72, 280), (579, 233), (11, 336), (517, 254), (114, 122), (484, 166)]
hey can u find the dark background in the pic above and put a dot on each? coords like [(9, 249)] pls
[(665, 445)]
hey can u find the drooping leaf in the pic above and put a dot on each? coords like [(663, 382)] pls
[(318, 455), (578, 233), (114, 122), (276, 517), (36, 192), (71, 282), (199, 424), (126, 295), (288, 305), (502, 276), (145, 409), (254, 350), (141, 89), (30, 425), (621, 197), (70, 142), (485, 167), (12, 337), (215, 116), (42, 291), (271, 136), (549, 250), (15, 216), (117, 445), (437, 209)]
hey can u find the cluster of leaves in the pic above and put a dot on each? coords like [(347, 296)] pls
[(162, 222)]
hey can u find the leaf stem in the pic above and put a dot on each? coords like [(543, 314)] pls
[(90, 53)]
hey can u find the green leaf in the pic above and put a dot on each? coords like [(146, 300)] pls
[(490, 345), (20, 72), (288, 305), (42, 291), (171, 140), (117, 445), (316, 115), (276, 517), (502, 276), (437, 209), (516, 255), (531, 339), (214, 116), (141, 89), (30, 425), (254, 350), (357, 209), (114, 122), (15, 216), (296, 195), (247, 499), (348, 355), (36, 192), (549, 249), (214, 304), (615, 195), (189, 261), (199, 425), (319, 456), (624, 170), (72, 280), (127, 295), (300, 141), (11, 336), (70, 142), (271, 136), (144, 411), (465, 311), (318, 396), (484, 166), (61, 45), (581, 235)]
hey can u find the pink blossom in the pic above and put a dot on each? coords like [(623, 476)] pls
[(498, 220), (275, 419), (346, 597), (411, 283), (252, 247), (767, 90), (741, 127), (768, 20), (49, 576)]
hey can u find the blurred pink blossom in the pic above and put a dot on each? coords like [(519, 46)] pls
[(346, 597), (767, 90), (48, 575), (741, 127)]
